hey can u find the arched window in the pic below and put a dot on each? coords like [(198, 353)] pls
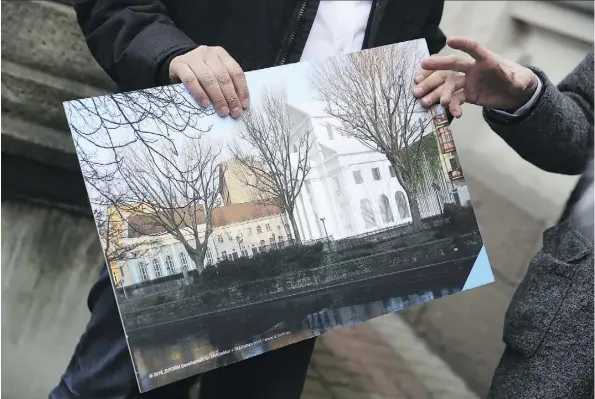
[(385, 211), (169, 264), (157, 268), (258, 229), (184, 261), (142, 268), (367, 213), (402, 205)]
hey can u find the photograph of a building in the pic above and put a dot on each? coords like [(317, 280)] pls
[(334, 199)]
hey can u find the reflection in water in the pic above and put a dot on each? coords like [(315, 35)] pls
[(160, 365)]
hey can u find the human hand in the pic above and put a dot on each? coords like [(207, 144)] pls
[(485, 79), (211, 75)]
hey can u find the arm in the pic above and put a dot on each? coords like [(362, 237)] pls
[(556, 132), (132, 40)]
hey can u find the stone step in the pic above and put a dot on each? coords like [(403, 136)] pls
[(45, 35)]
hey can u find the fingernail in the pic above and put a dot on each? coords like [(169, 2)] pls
[(204, 103), (417, 78), (417, 91), (224, 111), (245, 103), (236, 112), (425, 101)]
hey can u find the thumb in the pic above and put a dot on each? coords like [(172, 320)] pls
[(469, 46)]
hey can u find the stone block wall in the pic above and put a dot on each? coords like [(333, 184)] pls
[(45, 61)]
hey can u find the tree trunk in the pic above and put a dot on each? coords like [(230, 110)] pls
[(415, 212), (198, 261), (294, 227)]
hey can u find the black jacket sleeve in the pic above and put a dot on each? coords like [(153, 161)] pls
[(556, 135), (132, 40), (432, 32)]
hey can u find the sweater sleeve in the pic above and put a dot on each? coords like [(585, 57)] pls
[(556, 134)]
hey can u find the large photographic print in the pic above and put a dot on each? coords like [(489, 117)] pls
[(334, 199)]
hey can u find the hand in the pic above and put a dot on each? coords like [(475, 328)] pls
[(211, 75), (486, 79)]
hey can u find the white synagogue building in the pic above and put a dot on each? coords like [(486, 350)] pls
[(350, 189)]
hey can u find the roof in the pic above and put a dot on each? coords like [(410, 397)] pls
[(143, 224), (312, 108)]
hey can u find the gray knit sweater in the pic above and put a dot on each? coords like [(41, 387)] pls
[(549, 325)]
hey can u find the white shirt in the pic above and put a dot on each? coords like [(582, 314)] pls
[(339, 27)]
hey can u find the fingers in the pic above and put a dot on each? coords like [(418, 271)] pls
[(453, 84), (447, 63), (213, 76), (224, 97), (458, 99), (183, 73), (422, 74), (471, 47), (432, 81), (237, 76)]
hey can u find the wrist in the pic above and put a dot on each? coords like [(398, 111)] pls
[(525, 91)]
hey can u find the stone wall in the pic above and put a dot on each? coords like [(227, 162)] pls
[(45, 61)]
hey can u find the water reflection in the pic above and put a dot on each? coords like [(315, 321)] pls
[(193, 354)]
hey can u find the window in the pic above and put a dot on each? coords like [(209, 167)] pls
[(385, 211), (209, 256), (245, 252), (268, 227), (279, 227), (229, 236), (402, 205), (272, 240), (234, 254), (357, 175), (392, 171), (184, 261), (258, 229), (254, 251), (262, 243), (142, 268), (220, 238), (249, 231), (223, 255), (329, 131), (281, 243), (157, 268), (376, 173), (289, 237), (367, 213), (169, 264)]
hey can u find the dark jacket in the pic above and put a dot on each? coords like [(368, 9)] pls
[(548, 328), (134, 40)]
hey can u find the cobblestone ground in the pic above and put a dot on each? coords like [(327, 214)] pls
[(356, 363)]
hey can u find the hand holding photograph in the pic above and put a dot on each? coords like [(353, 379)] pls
[(334, 199)]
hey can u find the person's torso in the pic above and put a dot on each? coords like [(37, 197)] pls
[(263, 33)]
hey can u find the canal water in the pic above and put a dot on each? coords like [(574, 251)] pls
[(167, 353)]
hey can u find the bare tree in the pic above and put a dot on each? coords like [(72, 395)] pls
[(176, 196), (273, 154), (110, 124), (370, 94)]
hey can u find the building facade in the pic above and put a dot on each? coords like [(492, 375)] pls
[(238, 230), (350, 189)]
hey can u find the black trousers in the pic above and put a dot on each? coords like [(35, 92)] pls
[(101, 366)]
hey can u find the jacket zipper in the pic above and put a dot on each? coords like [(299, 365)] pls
[(294, 32)]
